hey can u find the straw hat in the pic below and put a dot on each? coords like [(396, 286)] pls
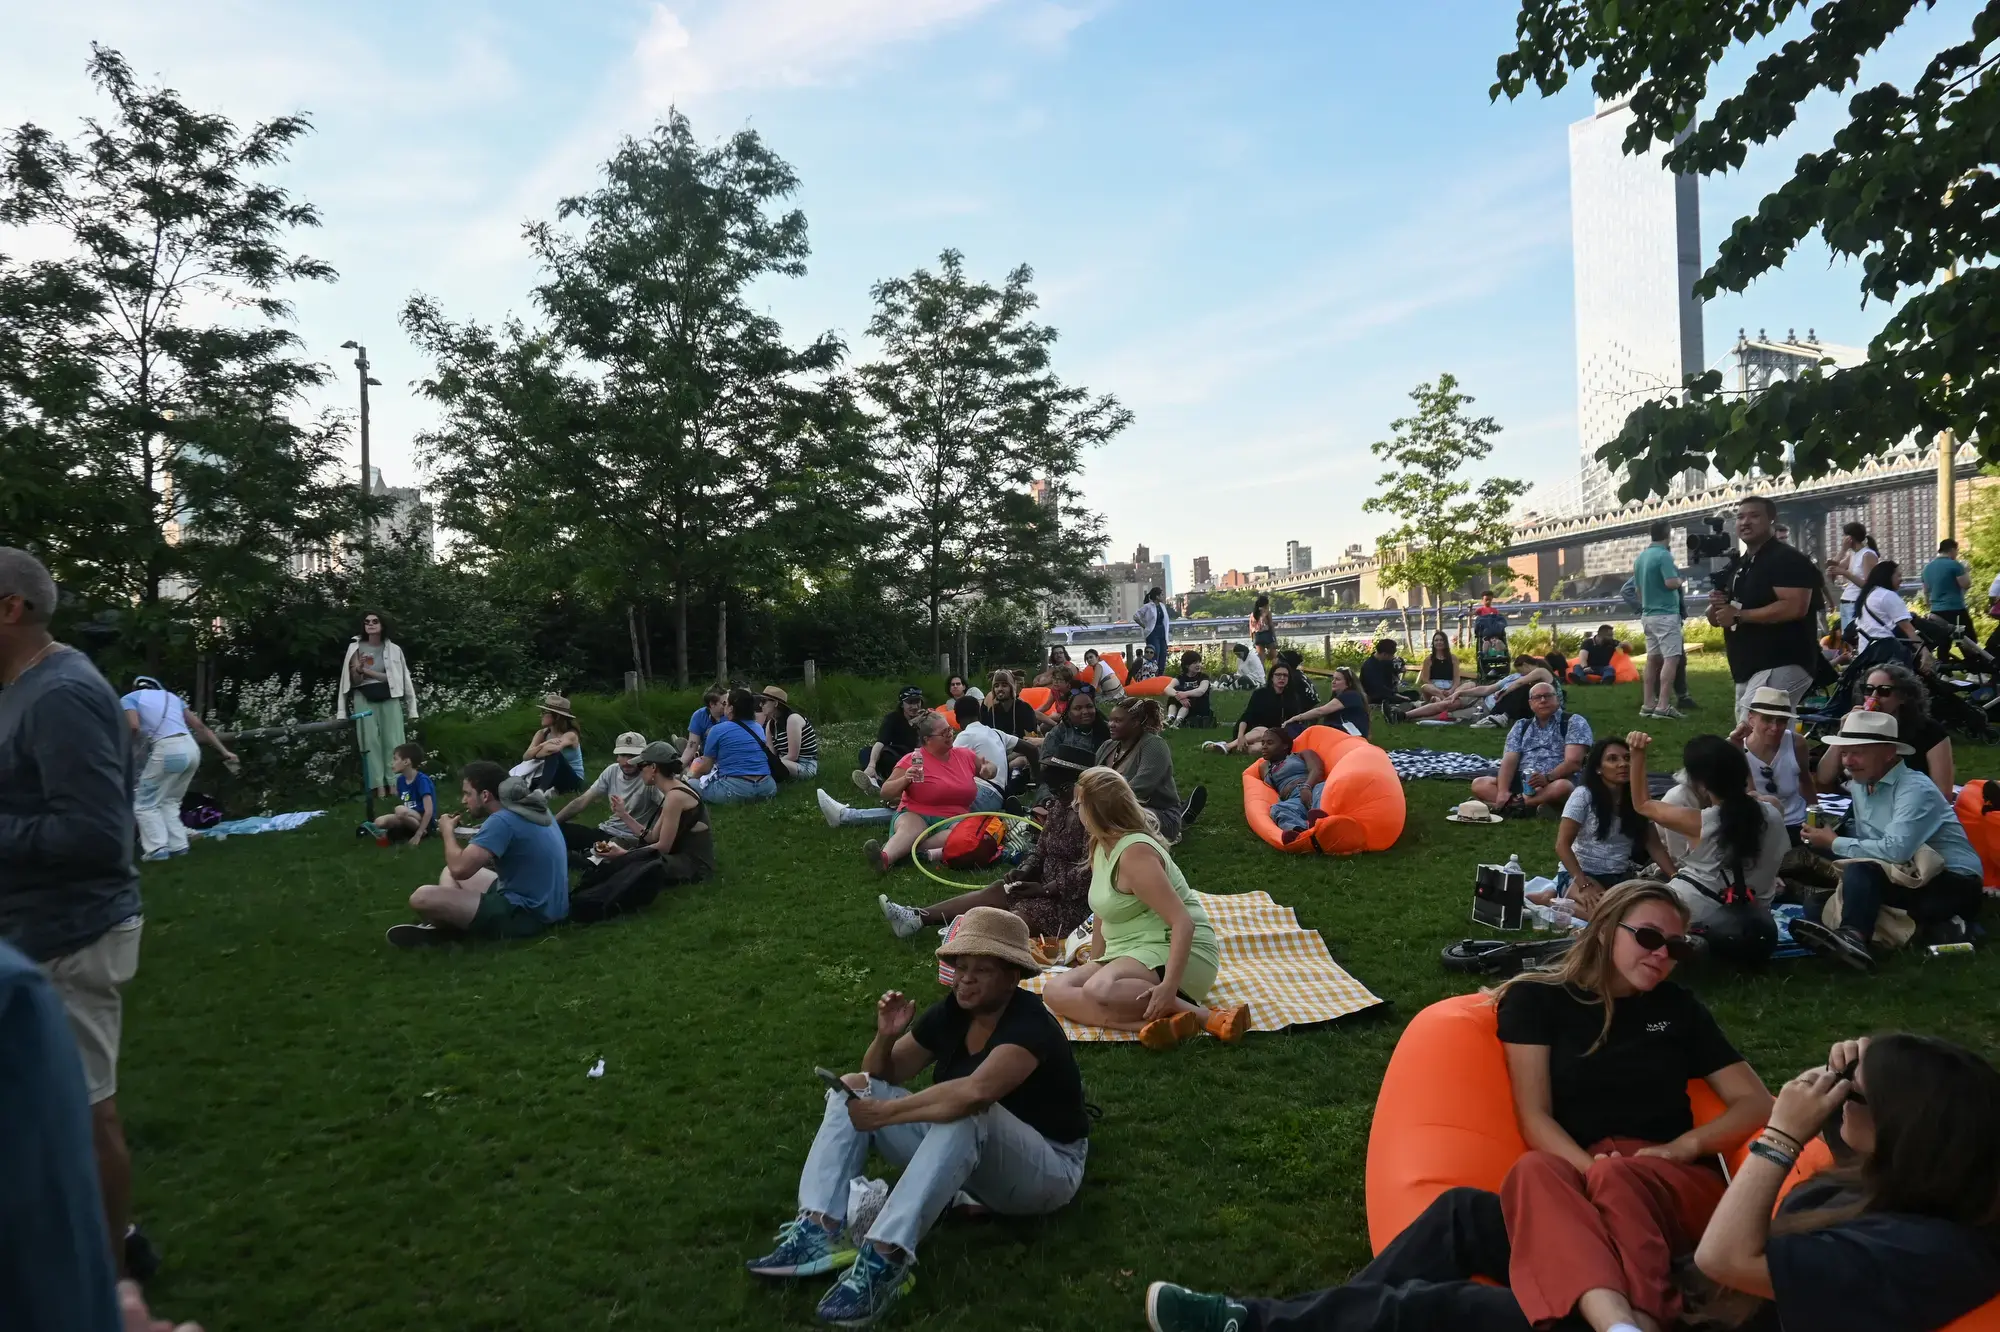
[(630, 745), (1773, 703), (557, 704), (777, 695), (1473, 811), (992, 932), (1870, 728)]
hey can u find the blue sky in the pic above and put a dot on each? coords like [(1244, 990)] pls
[(1259, 224)]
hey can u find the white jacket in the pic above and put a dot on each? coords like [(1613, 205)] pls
[(398, 672)]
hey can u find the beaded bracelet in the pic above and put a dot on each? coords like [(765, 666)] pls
[(1789, 1140), (1775, 1155)]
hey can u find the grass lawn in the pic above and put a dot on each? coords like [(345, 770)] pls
[(332, 1134)]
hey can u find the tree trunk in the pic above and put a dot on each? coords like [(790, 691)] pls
[(646, 642), (632, 632), (681, 632), (965, 648), (722, 638)]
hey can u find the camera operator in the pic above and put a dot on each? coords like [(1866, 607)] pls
[(1765, 606)]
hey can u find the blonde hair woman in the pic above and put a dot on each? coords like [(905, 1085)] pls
[(1153, 955)]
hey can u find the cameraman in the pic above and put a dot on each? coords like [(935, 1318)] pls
[(1765, 607)]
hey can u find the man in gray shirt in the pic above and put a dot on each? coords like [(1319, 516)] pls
[(69, 894)]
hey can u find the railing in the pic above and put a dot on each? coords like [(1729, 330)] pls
[(1356, 623)]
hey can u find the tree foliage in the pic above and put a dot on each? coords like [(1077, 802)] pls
[(1448, 528), (151, 442), (970, 415), (1906, 187)]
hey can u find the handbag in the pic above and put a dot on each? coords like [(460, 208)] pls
[(375, 691)]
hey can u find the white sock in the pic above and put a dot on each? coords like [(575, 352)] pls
[(1623, 1327)]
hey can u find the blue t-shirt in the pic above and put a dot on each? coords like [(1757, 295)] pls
[(533, 862), (699, 724), (736, 748), (1651, 572), (1941, 587), (411, 788), (162, 714)]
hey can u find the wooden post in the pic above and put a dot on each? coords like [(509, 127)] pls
[(944, 663), (631, 682), (1327, 647), (812, 674), (722, 640)]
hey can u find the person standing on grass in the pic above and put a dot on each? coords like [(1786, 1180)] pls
[(1660, 585), (1766, 614), (416, 808), (1154, 622), (1004, 1119), (374, 679), (69, 892), (633, 801), (510, 882), (1945, 580)]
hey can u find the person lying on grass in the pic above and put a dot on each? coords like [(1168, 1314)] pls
[(416, 794), (510, 882), (1003, 1119), (1477, 702), (1298, 776), (1050, 888), (930, 784), (1153, 956)]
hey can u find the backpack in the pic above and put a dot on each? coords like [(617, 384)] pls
[(617, 886), (973, 843), (200, 811)]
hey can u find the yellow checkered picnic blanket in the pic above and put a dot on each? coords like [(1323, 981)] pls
[(1269, 962)]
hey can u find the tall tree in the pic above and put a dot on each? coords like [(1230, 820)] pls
[(1448, 527), (1907, 187), (151, 438), (971, 419)]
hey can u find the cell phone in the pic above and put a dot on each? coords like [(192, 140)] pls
[(834, 1082)]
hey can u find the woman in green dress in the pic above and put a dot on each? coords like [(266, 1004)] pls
[(1153, 956)]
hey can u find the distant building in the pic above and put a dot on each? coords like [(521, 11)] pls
[(1262, 573), (1235, 578), (1044, 492), (408, 519), (1298, 559), (1200, 569), (1129, 581)]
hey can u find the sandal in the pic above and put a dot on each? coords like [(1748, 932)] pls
[(1167, 1032), (1229, 1026)]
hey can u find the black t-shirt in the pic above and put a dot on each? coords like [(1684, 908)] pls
[(898, 736), (1015, 718), (1763, 647), (1263, 709), (1598, 655), (1381, 678), (1050, 1099), (1923, 736), (1353, 712), (1635, 1085), (1883, 1272)]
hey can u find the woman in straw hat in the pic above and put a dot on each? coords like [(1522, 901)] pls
[(1154, 952), (557, 747), (790, 732), (1780, 768), (1003, 1119)]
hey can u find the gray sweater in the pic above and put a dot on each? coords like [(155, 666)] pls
[(66, 827)]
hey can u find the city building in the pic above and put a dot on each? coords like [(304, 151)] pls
[(1202, 582), (1298, 559), (1128, 582), (1235, 578), (1043, 491)]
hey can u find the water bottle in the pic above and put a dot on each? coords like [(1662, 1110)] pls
[(1513, 865)]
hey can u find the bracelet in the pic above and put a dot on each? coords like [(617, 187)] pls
[(1775, 1155), (1789, 1140)]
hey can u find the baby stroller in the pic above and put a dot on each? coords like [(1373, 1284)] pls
[(1489, 633), (1949, 703)]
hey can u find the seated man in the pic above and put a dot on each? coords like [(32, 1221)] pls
[(896, 737), (1003, 1119), (633, 802), (512, 881), (1482, 704), (416, 808), (1595, 667), (994, 746), (1297, 776), (1897, 812), (705, 716), (1249, 666), (1382, 675), (1544, 751)]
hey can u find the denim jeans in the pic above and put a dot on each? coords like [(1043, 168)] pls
[(1865, 888), (992, 1155), (803, 768), (737, 790), (986, 797), (170, 766), (1296, 812)]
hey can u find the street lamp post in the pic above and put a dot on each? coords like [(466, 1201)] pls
[(361, 366)]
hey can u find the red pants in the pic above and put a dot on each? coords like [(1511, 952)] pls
[(1620, 1227)]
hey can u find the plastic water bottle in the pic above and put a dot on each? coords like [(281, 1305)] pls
[(1513, 865)]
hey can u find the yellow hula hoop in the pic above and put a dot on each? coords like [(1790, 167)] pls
[(918, 859)]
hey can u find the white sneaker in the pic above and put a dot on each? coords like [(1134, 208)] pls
[(1669, 714), (1216, 745), (831, 809), (904, 921)]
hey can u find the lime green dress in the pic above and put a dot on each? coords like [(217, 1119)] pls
[(1133, 929)]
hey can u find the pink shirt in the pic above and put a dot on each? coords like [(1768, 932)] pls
[(947, 787)]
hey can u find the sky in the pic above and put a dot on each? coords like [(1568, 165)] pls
[(1258, 225)]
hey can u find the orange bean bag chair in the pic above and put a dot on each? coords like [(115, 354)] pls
[(1151, 687), (1445, 1117), (1363, 797), (1036, 697), (1623, 669), (1982, 828)]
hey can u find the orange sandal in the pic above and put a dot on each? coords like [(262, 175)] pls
[(1167, 1032), (1228, 1025)]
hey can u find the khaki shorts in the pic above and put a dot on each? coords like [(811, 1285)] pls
[(1663, 635), (89, 981)]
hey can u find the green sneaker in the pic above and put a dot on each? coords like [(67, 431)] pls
[(868, 1290), (805, 1248), (1171, 1308)]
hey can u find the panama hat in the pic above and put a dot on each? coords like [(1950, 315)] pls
[(992, 932), (1870, 728), (1473, 811), (630, 744), (557, 704), (1772, 703)]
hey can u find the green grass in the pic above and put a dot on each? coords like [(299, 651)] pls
[(330, 1134)]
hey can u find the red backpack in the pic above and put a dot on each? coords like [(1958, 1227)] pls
[(973, 843)]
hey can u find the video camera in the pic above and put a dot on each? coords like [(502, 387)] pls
[(1718, 547)]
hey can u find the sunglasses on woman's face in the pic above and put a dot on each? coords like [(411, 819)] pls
[(1879, 691), (1679, 947), (1846, 1075)]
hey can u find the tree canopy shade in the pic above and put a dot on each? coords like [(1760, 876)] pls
[(150, 447), (1447, 527), (1907, 187), (969, 416)]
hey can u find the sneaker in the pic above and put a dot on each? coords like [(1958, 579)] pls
[(155, 855), (1840, 945), (864, 782), (1687, 704), (1197, 801), (1215, 746), (830, 809), (805, 1248), (870, 1288), (871, 851), (418, 936), (1492, 721), (904, 921), (1646, 710), (142, 1260), (1171, 1308), (1669, 714)]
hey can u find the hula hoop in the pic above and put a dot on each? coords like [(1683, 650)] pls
[(918, 859)]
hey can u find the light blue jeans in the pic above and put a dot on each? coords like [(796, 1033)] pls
[(156, 804), (1296, 812), (992, 1155), (738, 790), (986, 799)]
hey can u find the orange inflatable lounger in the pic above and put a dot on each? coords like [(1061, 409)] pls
[(1445, 1118), (1151, 687), (1363, 797), (1623, 669), (1982, 828)]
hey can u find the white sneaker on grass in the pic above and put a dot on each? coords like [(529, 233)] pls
[(1668, 714), (1215, 745), (904, 921), (831, 809)]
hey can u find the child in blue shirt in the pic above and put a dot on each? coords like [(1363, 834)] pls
[(416, 810)]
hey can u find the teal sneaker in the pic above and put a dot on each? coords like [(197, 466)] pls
[(870, 1288), (804, 1249), (1171, 1308)]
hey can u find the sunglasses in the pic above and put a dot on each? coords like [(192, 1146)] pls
[(1846, 1075), (1679, 947), (1879, 691)]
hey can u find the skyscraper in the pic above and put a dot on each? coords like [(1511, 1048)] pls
[(1298, 559)]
